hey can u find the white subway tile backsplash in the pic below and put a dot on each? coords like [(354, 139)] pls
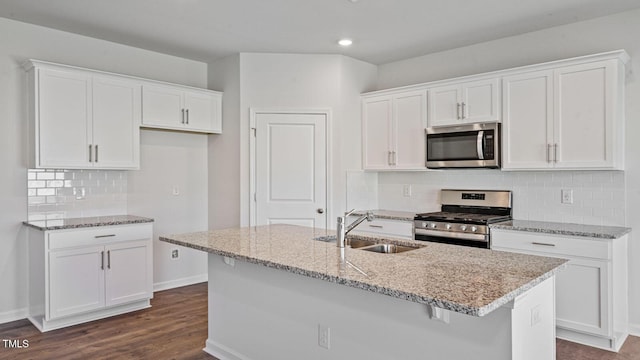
[(57, 194), (599, 196)]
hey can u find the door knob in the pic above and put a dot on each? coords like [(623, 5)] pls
[(320, 211)]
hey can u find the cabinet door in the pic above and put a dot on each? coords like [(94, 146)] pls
[(410, 121), (376, 132), (527, 126), (201, 111), (444, 105), (76, 281), (581, 296), (162, 106), (480, 101), (116, 123), (584, 105), (63, 129), (128, 272)]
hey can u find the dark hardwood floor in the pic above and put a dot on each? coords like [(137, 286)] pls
[(175, 327)]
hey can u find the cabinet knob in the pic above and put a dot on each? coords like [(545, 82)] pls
[(320, 211)]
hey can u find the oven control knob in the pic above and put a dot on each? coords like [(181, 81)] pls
[(463, 227), (448, 226), (433, 225), (474, 228)]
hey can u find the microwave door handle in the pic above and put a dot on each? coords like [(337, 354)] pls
[(480, 145)]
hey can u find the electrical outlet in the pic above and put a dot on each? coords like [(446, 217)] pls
[(175, 254), (323, 336), (406, 190), (535, 315), (567, 196), (175, 190)]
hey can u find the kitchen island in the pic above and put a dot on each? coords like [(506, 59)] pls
[(281, 292)]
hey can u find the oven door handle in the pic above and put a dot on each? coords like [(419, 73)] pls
[(480, 145), (454, 235)]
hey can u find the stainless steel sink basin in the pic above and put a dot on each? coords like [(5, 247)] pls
[(388, 248), (358, 243), (369, 245)]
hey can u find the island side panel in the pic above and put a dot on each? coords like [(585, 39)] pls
[(257, 312)]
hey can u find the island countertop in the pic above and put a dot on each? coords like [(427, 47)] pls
[(457, 278)]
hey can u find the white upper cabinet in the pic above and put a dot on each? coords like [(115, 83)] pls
[(527, 127), (81, 120), (181, 108), (566, 117), (464, 102), (393, 131)]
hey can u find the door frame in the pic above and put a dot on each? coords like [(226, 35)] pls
[(253, 114)]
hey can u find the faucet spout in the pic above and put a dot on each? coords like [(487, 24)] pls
[(342, 229)]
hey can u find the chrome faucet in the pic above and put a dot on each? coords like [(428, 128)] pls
[(343, 230)]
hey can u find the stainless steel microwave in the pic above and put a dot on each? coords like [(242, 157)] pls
[(464, 146)]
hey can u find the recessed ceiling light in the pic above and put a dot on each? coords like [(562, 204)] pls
[(345, 42)]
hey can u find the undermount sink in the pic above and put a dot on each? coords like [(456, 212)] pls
[(388, 248), (358, 243), (369, 245)]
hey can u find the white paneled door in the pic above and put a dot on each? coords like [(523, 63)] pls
[(291, 168)]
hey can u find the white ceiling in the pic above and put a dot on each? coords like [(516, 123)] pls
[(382, 30)]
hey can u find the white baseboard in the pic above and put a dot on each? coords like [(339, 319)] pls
[(222, 352), (166, 285), (13, 315), (634, 329)]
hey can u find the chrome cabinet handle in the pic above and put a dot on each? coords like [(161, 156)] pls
[(182, 121), (187, 111), (458, 111), (463, 106), (389, 161), (96, 153), (376, 226), (549, 153), (555, 153), (104, 236), (101, 260), (542, 244), (90, 153), (109, 259)]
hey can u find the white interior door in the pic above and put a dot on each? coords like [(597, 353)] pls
[(291, 169)]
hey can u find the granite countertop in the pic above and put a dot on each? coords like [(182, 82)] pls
[(84, 222), (389, 214), (593, 231), (457, 278)]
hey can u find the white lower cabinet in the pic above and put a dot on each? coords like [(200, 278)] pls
[(81, 275), (591, 292)]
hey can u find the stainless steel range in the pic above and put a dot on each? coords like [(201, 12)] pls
[(465, 217)]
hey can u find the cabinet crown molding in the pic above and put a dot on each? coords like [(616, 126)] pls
[(621, 55), (34, 63)]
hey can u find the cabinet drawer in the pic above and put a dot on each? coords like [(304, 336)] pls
[(551, 244), (99, 235), (396, 228)]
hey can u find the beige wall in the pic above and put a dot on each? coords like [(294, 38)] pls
[(20, 41)]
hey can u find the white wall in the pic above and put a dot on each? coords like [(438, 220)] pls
[(168, 160), (20, 41), (224, 150), (613, 32), (298, 81)]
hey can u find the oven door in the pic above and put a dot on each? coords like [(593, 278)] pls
[(465, 146), (454, 238)]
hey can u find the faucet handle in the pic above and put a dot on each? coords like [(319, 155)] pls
[(349, 212)]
